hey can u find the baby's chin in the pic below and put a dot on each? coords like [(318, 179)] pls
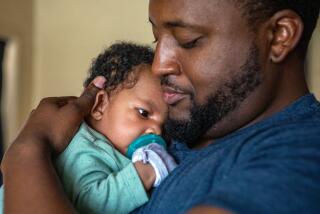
[(122, 150)]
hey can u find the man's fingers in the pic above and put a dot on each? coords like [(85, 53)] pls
[(87, 98), (62, 101), (58, 118), (72, 114), (56, 101)]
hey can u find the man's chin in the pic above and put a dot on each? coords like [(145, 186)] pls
[(180, 111), (178, 114)]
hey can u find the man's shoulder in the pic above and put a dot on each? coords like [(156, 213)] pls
[(295, 135), (294, 132), (300, 122), (306, 127)]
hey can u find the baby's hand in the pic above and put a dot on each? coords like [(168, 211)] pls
[(159, 159), (146, 173), (164, 155)]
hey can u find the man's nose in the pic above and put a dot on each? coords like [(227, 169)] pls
[(165, 59)]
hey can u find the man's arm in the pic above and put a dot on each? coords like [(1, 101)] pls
[(30, 181), (31, 184)]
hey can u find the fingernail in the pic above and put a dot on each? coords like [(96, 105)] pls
[(99, 82)]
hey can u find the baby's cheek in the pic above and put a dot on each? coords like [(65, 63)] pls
[(125, 132), (125, 140)]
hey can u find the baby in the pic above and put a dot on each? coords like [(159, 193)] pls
[(125, 123), (95, 169)]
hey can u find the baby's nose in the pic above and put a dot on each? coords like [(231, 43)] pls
[(153, 130)]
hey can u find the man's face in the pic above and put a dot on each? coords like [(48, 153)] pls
[(209, 64)]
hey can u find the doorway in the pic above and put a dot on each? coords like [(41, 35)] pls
[(2, 52)]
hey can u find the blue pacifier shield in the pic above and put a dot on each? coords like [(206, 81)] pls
[(144, 140)]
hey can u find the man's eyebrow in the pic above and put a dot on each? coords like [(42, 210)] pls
[(174, 24), (180, 24)]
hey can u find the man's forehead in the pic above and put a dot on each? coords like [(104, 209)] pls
[(187, 13)]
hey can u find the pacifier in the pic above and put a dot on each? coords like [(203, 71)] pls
[(144, 140)]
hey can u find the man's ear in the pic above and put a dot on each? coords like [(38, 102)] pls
[(285, 33), (100, 105)]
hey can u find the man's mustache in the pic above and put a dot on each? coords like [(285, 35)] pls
[(166, 81)]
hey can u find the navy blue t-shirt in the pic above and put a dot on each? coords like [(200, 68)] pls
[(270, 167)]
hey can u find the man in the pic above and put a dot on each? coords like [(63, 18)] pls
[(245, 130)]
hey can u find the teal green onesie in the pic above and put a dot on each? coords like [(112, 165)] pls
[(96, 177)]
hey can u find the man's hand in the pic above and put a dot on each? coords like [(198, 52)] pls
[(30, 181), (56, 119)]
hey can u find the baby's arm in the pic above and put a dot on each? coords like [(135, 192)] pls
[(146, 174), (118, 192)]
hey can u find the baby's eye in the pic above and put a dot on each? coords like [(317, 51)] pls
[(144, 113)]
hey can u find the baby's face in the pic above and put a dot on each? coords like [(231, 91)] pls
[(134, 111)]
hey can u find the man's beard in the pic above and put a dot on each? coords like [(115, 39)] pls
[(218, 105)]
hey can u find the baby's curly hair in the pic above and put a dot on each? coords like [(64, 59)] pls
[(118, 61)]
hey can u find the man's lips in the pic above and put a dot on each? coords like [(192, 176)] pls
[(172, 96)]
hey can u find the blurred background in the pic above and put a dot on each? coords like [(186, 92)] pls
[(46, 48)]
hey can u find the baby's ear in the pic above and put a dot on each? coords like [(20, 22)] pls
[(100, 105)]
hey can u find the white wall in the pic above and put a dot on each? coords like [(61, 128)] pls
[(69, 33)]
